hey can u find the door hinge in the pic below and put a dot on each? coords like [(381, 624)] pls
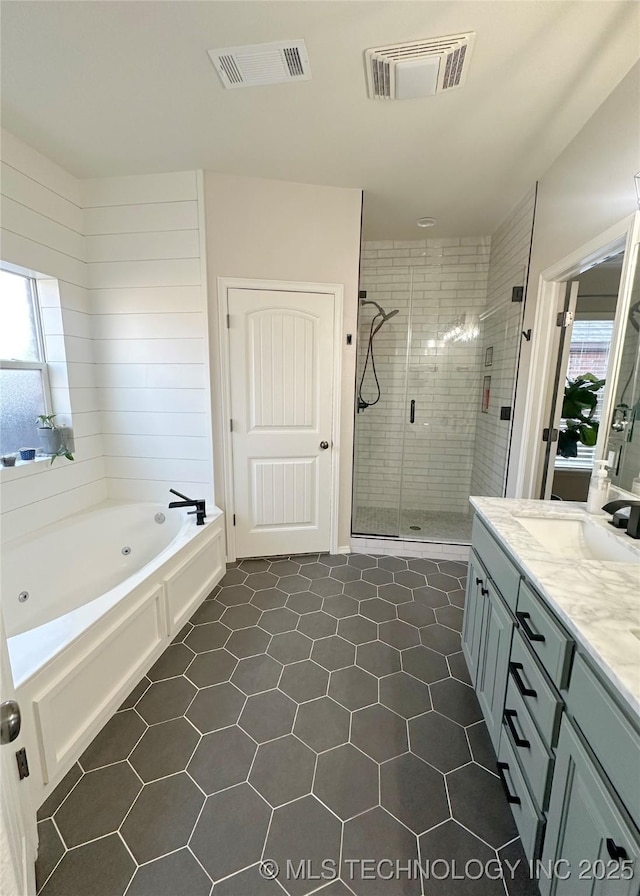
[(228, 321), (23, 765), (564, 318), (517, 293), (230, 425), (549, 436), (234, 519)]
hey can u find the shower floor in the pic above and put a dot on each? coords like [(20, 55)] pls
[(414, 525)]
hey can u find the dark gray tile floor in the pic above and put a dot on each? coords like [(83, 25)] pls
[(315, 709)]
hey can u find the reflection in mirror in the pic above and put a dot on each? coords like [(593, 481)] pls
[(587, 360), (624, 433)]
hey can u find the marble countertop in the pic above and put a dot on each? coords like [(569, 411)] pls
[(597, 601)]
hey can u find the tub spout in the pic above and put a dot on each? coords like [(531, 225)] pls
[(199, 504)]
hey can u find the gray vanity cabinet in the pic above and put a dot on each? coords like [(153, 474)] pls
[(493, 660), (568, 749), (472, 624), (488, 626), (590, 846)]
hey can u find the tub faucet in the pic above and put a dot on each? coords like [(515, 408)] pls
[(199, 504), (630, 522)]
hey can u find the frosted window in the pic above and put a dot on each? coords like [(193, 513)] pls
[(18, 334), (21, 400)]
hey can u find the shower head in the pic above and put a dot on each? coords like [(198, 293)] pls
[(385, 315)]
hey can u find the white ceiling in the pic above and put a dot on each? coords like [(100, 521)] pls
[(109, 88)]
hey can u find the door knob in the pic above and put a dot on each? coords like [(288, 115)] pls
[(9, 721), (324, 445)]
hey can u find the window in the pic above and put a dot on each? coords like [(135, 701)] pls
[(588, 353), (24, 382)]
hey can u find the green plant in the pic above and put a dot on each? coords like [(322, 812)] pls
[(46, 421), (578, 407)]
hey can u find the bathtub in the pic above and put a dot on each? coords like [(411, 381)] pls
[(89, 604)]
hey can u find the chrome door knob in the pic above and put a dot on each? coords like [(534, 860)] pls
[(324, 445), (9, 721)]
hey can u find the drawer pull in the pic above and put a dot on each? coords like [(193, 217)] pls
[(616, 852), (529, 632), (510, 797), (509, 716), (514, 668)]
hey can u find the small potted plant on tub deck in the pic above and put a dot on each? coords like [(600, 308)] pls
[(52, 437)]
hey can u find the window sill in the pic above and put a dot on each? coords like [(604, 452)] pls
[(24, 468)]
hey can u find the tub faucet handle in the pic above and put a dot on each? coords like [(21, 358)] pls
[(199, 504)]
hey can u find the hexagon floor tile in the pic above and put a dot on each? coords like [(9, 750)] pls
[(314, 706)]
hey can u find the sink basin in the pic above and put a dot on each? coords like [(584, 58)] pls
[(578, 538)]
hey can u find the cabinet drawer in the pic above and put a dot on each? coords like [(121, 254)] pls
[(608, 732), (527, 818), (547, 639), (538, 695), (504, 574), (535, 759)]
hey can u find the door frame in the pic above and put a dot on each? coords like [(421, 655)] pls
[(619, 237), (336, 290)]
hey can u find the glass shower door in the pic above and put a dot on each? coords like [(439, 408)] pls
[(383, 326), (440, 411)]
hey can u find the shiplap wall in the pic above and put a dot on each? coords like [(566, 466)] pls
[(42, 231), (146, 276), (500, 330)]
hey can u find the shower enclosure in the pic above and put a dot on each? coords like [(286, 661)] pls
[(438, 343)]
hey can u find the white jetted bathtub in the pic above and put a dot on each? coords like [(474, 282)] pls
[(89, 604)]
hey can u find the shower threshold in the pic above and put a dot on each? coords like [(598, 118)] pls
[(413, 525)]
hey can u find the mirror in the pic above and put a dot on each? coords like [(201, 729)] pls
[(584, 356), (623, 436)]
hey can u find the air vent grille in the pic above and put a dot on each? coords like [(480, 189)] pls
[(419, 68), (262, 64), (231, 70), (453, 68)]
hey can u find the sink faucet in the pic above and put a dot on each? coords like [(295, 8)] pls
[(199, 504), (619, 519)]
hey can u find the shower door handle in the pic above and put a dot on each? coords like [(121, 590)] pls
[(412, 411)]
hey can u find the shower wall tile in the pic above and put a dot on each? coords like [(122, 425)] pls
[(500, 330), (429, 461)]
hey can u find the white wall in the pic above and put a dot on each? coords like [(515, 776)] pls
[(147, 293), (125, 319), (42, 231), (426, 466), (501, 331), (275, 230), (588, 189)]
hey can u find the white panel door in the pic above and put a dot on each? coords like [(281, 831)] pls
[(281, 372), (18, 835)]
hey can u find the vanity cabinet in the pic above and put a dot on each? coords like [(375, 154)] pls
[(568, 752), (486, 642), (590, 841)]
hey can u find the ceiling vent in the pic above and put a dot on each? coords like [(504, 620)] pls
[(419, 68), (259, 64)]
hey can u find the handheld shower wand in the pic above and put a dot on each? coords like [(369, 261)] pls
[(380, 317)]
